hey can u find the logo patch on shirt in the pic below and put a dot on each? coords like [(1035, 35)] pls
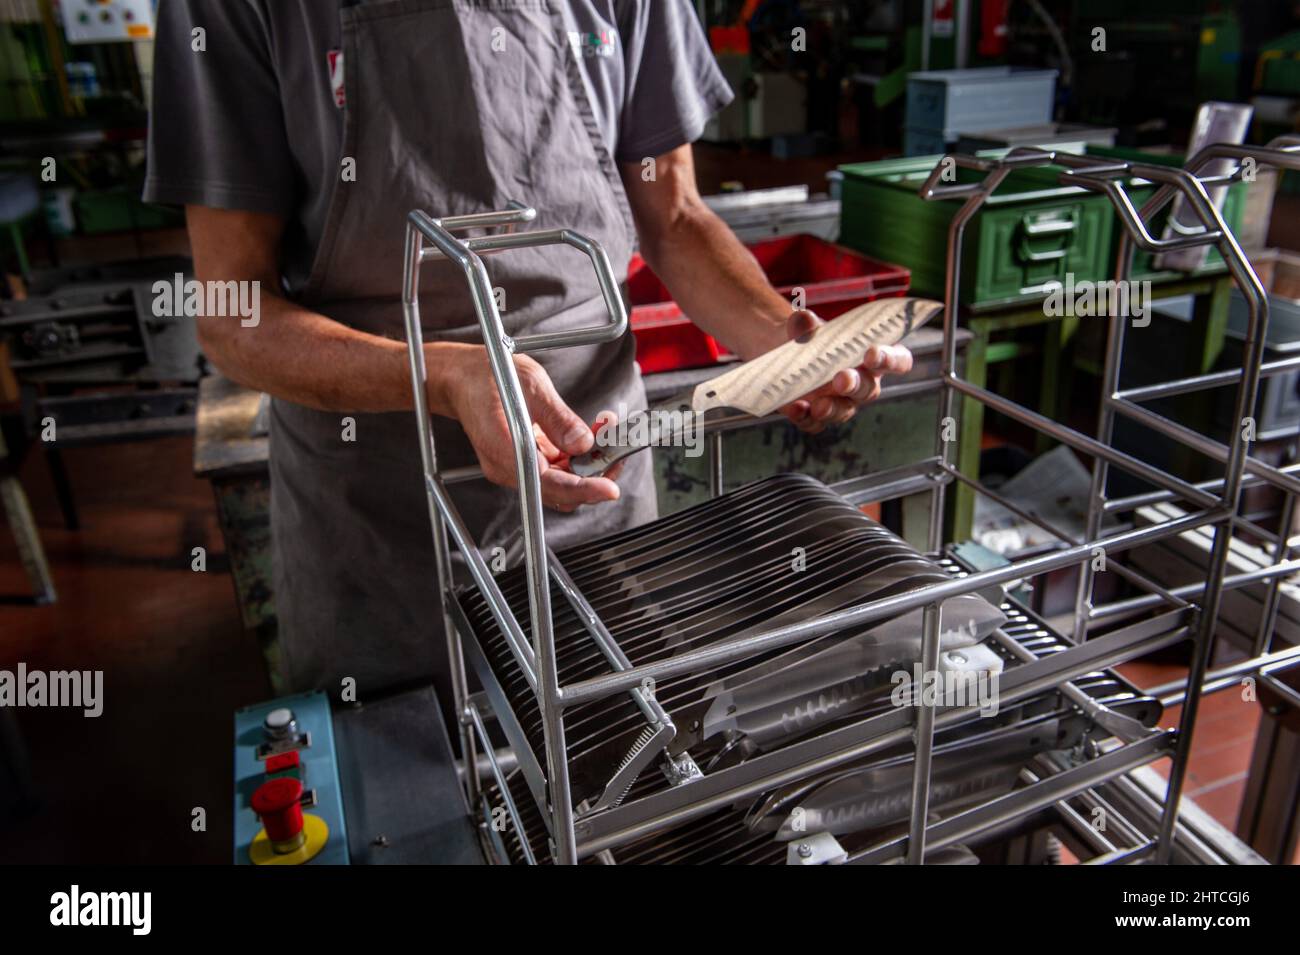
[(584, 43), (334, 58)]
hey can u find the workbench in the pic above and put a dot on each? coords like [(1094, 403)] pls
[(234, 459)]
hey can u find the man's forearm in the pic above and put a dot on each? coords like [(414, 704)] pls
[(304, 357), (292, 352), (718, 282)]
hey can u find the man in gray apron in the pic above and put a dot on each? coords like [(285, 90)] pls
[(299, 134)]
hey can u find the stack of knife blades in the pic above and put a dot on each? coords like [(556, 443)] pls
[(779, 551), (865, 800)]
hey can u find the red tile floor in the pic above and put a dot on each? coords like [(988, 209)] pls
[(1221, 744)]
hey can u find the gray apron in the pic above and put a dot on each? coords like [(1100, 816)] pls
[(438, 120)]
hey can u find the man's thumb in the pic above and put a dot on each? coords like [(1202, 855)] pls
[(801, 324), (561, 424)]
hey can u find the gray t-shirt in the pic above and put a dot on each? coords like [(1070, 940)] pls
[(253, 122)]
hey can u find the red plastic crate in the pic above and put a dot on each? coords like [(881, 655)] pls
[(834, 280)]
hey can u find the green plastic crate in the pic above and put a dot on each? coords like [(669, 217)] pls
[(1028, 234)]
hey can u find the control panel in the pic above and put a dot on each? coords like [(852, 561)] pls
[(288, 803), (106, 21)]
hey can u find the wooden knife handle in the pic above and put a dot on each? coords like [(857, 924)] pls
[(764, 384)]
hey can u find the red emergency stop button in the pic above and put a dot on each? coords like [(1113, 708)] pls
[(278, 803)]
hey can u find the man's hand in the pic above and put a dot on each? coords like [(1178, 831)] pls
[(311, 360), (472, 395), (838, 400), (720, 285)]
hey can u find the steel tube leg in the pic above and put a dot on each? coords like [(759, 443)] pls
[(442, 557), (1201, 651), (948, 398), (925, 715), (1105, 433), (1257, 301), (1268, 615)]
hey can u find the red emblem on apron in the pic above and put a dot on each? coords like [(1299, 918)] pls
[(335, 59)]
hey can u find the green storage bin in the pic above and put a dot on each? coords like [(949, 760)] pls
[(1234, 207), (1028, 234)]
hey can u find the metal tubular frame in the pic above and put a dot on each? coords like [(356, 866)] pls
[(577, 835)]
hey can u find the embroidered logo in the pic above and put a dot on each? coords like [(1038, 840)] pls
[(603, 43)]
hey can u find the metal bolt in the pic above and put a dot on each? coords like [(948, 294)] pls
[(380, 841), (805, 851)]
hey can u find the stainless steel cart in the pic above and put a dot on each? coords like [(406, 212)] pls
[(1101, 775)]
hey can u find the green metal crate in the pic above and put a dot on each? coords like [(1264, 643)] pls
[(1028, 234)]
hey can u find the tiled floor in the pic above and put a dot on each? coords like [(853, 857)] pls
[(1222, 743)]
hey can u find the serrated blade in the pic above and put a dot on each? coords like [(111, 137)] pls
[(764, 384), (770, 381)]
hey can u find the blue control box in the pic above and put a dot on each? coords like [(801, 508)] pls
[(319, 772)]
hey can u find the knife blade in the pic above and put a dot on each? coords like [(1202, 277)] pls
[(762, 385)]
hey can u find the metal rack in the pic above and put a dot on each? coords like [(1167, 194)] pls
[(577, 832)]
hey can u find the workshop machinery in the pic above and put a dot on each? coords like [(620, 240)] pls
[(95, 361), (771, 676)]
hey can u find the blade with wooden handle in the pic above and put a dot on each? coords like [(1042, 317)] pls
[(772, 380)]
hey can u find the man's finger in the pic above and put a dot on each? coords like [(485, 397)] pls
[(847, 382), (832, 409), (561, 423), (868, 387), (545, 445), (565, 490), (859, 384), (796, 411), (888, 360)]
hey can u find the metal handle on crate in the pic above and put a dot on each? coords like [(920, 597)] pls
[(1032, 229), (490, 244), (1048, 227), (609, 287)]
